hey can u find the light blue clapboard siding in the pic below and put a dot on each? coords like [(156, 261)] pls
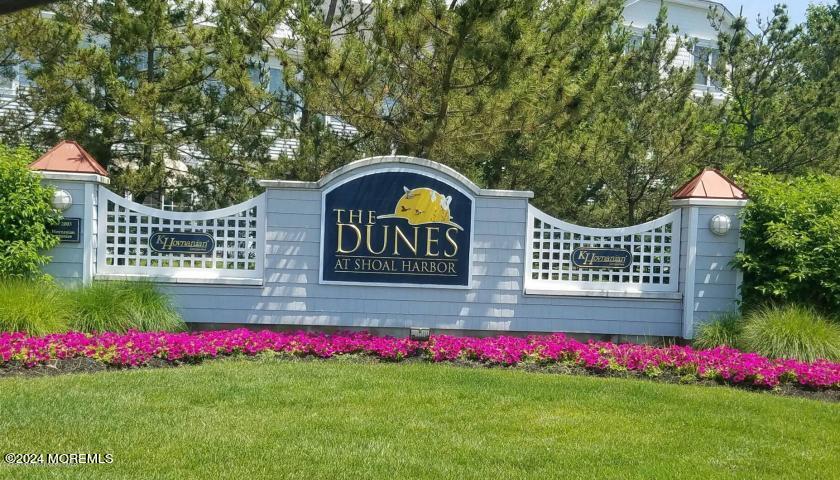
[(299, 220), (301, 207), (500, 229), (505, 215), (66, 272), (292, 295), (719, 277), (715, 288), (68, 258), (292, 234), (343, 295), (516, 245), (368, 320)]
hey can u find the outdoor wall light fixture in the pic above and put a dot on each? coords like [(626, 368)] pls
[(720, 224), (62, 200)]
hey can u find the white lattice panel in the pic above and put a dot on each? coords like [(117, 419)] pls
[(654, 247), (125, 228)]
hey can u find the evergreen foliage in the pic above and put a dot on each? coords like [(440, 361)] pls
[(782, 110), (186, 99)]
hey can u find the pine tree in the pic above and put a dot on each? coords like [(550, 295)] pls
[(642, 138), (24, 36), (318, 29), (781, 112), (461, 82), (162, 92)]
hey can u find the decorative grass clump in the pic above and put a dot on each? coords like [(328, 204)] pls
[(791, 331), (150, 310), (40, 308), (724, 329), (37, 308), (101, 307), (122, 306)]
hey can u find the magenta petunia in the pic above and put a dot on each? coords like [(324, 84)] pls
[(139, 348)]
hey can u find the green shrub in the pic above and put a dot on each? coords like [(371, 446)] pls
[(37, 308), (25, 211), (120, 306), (792, 248), (791, 332), (722, 330)]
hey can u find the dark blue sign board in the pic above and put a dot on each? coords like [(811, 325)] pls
[(593, 257), (68, 230), (178, 242), (397, 227)]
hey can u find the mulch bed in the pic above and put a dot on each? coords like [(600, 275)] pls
[(88, 365)]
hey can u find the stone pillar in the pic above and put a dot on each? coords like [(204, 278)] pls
[(711, 224)]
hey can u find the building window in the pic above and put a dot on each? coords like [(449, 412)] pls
[(705, 59), (6, 77), (275, 80), (635, 41), (12, 76), (22, 77), (254, 74)]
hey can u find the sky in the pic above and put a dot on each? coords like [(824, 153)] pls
[(796, 8)]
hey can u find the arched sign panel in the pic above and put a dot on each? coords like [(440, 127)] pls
[(397, 228)]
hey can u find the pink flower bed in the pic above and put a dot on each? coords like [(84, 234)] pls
[(138, 348)]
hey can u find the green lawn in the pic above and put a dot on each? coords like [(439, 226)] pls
[(339, 419)]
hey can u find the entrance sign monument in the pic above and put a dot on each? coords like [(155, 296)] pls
[(397, 243)]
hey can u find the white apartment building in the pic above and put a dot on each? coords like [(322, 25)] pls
[(691, 17)]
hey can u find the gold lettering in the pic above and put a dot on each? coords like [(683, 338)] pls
[(369, 234), (399, 234), (340, 247), (338, 212), (357, 214), (371, 217), (431, 241), (449, 232)]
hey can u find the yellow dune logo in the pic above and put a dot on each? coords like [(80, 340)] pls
[(423, 205)]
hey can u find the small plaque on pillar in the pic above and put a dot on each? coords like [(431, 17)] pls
[(68, 230)]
